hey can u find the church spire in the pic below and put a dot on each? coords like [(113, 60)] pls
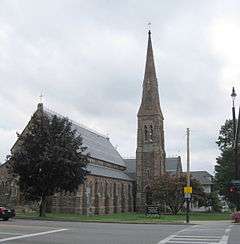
[(150, 97), (150, 72), (150, 153)]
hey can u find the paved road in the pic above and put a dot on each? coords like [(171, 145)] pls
[(44, 232)]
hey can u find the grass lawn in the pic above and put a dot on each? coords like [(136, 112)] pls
[(127, 217)]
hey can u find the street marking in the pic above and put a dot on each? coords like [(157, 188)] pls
[(224, 239), (172, 236), (192, 242), (31, 235), (180, 237), (197, 239), (210, 237)]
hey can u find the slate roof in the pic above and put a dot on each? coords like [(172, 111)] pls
[(99, 146), (107, 172), (173, 164), (203, 177), (131, 165)]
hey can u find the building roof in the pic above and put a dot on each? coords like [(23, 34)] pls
[(99, 146), (173, 164), (131, 165), (203, 177), (107, 172)]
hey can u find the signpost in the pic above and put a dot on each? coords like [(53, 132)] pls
[(188, 188)]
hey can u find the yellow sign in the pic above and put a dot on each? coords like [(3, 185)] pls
[(187, 189)]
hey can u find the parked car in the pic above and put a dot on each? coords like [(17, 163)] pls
[(6, 213)]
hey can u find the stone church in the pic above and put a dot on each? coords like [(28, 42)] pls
[(114, 184)]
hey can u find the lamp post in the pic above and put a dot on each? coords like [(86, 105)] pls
[(233, 95), (236, 130)]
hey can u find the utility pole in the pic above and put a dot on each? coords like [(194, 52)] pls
[(188, 175), (188, 158)]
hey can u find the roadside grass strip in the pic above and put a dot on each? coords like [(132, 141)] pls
[(30, 235), (199, 234)]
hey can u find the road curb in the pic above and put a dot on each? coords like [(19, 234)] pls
[(103, 222)]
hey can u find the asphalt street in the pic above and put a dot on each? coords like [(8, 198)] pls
[(43, 232)]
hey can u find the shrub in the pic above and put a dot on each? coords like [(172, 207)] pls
[(236, 217)]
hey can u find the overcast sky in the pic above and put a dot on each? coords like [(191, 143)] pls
[(88, 57)]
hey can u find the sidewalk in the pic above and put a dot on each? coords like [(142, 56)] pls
[(204, 222)]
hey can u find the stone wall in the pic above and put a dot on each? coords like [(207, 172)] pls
[(9, 192), (98, 195)]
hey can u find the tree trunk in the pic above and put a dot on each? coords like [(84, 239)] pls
[(42, 208)]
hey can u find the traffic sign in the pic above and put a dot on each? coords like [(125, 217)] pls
[(187, 189)]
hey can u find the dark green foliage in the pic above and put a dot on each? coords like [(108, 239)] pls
[(48, 158), (213, 201), (168, 190), (225, 167), (225, 138)]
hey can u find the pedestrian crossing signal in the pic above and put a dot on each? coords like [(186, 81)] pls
[(232, 189)]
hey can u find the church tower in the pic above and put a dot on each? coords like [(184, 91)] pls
[(150, 153)]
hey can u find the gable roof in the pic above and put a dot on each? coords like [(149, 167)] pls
[(131, 165), (203, 177), (99, 146), (173, 164)]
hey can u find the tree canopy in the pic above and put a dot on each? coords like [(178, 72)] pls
[(168, 190), (225, 169), (49, 157)]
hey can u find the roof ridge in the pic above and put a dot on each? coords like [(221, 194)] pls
[(76, 123), (105, 167), (198, 171)]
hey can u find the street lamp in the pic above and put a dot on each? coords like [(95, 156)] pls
[(234, 185), (236, 130), (233, 95)]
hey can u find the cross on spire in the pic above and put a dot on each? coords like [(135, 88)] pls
[(149, 27), (41, 98)]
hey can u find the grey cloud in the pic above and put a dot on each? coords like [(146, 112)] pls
[(88, 59)]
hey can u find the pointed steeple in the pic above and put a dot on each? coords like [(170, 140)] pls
[(150, 97), (150, 72), (150, 153)]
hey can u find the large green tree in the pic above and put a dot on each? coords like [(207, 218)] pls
[(225, 169), (168, 190), (49, 157)]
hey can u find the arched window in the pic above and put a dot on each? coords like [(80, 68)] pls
[(151, 133), (123, 205), (96, 197), (148, 195), (147, 171), (2, 187), (145, 133), (106, 188), (115, 198), (96, 187)]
